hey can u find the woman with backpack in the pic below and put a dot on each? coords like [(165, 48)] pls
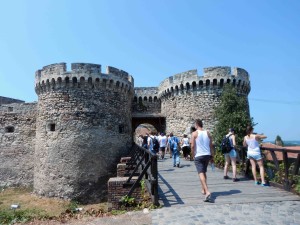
[(231, 156)]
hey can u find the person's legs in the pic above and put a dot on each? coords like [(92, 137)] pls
[(203, 180), (253, 166), (177, 158), (162, 152), (226, 167), (174, 158), (233, 164), (261, 170)]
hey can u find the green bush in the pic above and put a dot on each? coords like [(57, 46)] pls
[(19, 215)]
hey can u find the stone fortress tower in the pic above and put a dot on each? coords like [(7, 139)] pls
[(186, 96), (83, 125), (68, 143)]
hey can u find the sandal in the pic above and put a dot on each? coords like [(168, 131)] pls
[(207, 198)]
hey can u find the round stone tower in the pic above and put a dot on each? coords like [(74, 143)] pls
[(83, 126), (187, 96)]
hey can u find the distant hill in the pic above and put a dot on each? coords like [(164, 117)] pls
[(287, 143)]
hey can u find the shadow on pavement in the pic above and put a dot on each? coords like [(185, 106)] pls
[(215, 195), (162, 195)]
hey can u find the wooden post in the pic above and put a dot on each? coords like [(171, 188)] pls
[(287, 185)]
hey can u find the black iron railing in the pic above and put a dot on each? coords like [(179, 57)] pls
[(143, 163)]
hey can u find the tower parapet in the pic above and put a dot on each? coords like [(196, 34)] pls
[(213, 79), (146, 100), (82, 75)]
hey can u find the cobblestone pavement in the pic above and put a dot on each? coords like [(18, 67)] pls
[(273, 213)]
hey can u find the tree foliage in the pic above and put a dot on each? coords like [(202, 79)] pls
[(278, 141), (232, 112)]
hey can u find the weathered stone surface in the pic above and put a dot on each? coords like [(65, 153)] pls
[(17, 140)]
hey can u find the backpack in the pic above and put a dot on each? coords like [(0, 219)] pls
[(173, 143), (155, 144), (145, 142), (226, 145)]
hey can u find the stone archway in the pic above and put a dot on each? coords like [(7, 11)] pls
[(159, 123)]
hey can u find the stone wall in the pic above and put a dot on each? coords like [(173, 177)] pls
[(17, 141), (146, 101), (181, 111), (83, 128)]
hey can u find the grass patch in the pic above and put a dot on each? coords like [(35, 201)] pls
[(34, 207)]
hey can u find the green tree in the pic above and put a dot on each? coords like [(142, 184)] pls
[(278, 141), (232, 112)]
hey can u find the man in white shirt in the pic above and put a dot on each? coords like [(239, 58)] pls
[(162, 145)]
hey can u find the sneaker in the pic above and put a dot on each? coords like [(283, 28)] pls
[(226, 177), (235, 179), (264, 185), (257, 183), (174, 165), (178, 165)]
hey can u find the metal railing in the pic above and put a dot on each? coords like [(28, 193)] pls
[(286, 160), (143, 163)]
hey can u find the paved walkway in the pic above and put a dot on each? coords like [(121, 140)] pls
[(233, 202)]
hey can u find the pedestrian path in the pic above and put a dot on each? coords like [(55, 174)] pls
[(233, 202)]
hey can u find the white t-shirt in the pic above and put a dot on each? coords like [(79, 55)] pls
[(163, 141), (185, 142)]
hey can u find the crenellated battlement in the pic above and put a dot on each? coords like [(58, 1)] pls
[(212, 79), (146, 94), (82, 75)]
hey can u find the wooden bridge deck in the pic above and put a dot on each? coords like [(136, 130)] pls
[(181, 186)]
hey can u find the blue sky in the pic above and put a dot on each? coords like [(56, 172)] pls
[(155, 39)]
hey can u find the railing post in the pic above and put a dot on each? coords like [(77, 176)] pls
[(154, 185), (287, 185)]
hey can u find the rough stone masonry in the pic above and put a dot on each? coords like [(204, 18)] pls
[(67, 144)]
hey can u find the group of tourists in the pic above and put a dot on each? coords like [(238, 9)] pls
[(162, 144), (200, 149)]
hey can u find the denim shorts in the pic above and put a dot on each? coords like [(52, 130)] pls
[(254, 156), (201, 163), (231, 154)]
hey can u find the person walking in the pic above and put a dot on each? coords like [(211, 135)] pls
[(254, 154), (202, 149), (185, 146), (174, 144), (162, 145), (231, 156), (168, 146), (150, 143)]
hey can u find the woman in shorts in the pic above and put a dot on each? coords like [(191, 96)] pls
[(254, 154)]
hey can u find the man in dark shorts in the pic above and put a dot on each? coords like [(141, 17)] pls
[(201, 146)]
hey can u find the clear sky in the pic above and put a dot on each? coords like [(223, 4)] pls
[(155, 39)]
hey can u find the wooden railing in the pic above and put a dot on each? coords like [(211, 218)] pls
[(143, 163), (286, 160)]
